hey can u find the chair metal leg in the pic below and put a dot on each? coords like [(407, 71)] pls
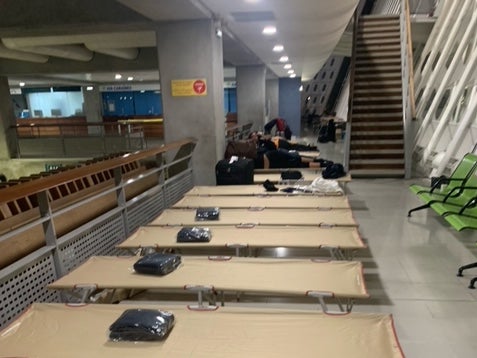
[(466, 267), (418, 208), (472, 283)]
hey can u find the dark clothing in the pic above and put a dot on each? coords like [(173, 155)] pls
[(282, 158), (281, 125)]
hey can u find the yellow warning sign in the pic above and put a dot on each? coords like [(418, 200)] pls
[(194, 87)]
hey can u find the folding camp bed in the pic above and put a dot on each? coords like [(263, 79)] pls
[(51, 330), (333, 217), (206, 276), (259, 177), (264, 201), (341, 242), (249, 190)]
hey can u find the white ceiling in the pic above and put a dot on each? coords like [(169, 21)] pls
[(52, 42)]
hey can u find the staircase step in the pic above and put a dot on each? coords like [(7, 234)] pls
[(364, 54), (389, 85), (366, 100), (377, 173), (376, 156), (399, 151), (378, 61), (377, 92), (376, 127), (381, 143), (376, 48), (377, 147), (377, 136), (385, 41), (373, 131), (377, 71), (377, 18), (379, 76), (378, 32), (394, 109), (365, 117)]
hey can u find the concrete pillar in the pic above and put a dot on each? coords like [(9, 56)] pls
[(290, 103), (188, 52), (251, 95), (271, 95), (8, 146), (92, 105)]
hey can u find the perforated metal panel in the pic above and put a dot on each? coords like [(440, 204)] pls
[(145, 211), (98, 240), (177, 186), (20, 289)]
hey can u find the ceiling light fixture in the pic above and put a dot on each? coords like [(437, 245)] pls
[(291, 71), (117, 76), (284, 59), (287, 66), (269, 30), (292, 75), (278, 48), (22, 84), (89, 88), (130, 78)]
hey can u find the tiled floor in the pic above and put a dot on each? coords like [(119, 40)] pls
[(410, 268)]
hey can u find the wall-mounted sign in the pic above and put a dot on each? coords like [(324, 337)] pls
[(194, 87)]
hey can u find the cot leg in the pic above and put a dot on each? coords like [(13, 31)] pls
[(472, 283), (418, 208), (465, 267)]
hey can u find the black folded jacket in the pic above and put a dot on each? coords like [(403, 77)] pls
[(194, 234), (157, 264), (206, 214), (141, 325)]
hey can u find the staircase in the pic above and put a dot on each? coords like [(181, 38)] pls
[(377, 133)]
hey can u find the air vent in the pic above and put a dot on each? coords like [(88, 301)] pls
[(251, 16)]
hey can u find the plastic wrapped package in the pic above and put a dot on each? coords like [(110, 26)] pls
[(141, 325), (194, 234), (157, 264), (207, 214)]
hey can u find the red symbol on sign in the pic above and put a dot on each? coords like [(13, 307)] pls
[(199, 86)]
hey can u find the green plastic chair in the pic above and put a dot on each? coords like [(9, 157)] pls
[(458, 190), (458, 177), (465, 217)]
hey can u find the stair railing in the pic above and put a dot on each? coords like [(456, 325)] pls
[(407, 73), (347, 138)]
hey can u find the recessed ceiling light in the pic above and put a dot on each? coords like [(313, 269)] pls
[(291, 71), (118, 76), (278, 48), (89, 88), (283, 59), (292, 75), (287, 66), (269, 30), (130, 78), (22, 84)]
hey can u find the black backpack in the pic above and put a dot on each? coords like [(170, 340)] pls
[(333, 171)]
